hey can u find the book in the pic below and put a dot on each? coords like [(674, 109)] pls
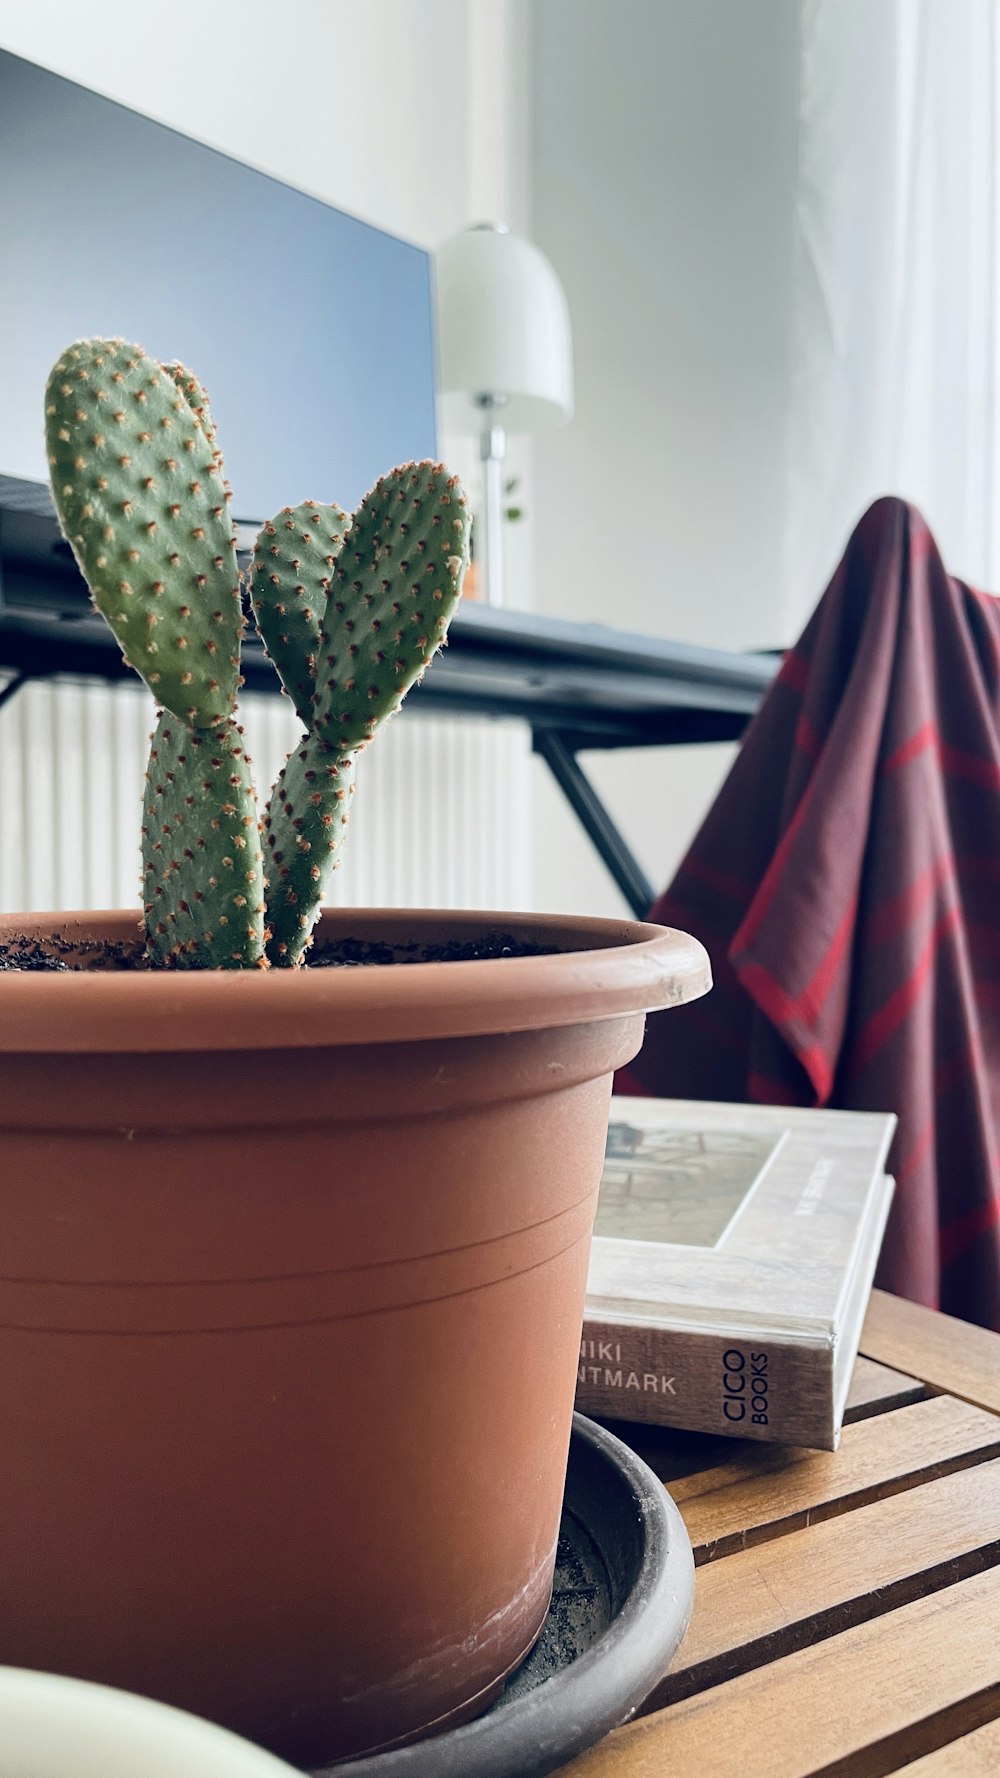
[(731, 1266)]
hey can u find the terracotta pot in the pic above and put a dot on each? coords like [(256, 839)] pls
[(293, 1275)]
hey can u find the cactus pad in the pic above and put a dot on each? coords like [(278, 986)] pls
[(203, 882), (290, 583), (396, 582), (303, 826), (196, 397), (139, 489)]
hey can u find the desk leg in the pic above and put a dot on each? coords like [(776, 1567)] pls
[(12, 687), (595, 819)]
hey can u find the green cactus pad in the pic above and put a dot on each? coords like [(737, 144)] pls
[(196, 396), (303, 825), (139, 488), (290, 583), (397, 581), (203, 880)]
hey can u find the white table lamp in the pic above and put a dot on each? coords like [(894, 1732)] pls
[(505, 357)]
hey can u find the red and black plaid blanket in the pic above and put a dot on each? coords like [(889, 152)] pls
[(846, 884)]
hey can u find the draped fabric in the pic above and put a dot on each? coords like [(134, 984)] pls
[(846, 884)]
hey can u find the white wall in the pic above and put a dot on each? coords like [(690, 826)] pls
[(664, 181), (351, 101)]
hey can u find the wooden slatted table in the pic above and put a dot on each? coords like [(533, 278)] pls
[(847, 1605)]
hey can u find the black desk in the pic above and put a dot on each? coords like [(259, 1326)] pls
[(578, 686)]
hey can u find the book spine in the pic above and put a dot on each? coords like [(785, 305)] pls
[(704, 1382)]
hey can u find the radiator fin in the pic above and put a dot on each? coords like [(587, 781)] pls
[(441, 818)]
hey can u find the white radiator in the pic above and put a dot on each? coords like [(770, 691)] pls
[(441, 817)]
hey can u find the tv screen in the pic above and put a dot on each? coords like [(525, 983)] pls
[(311, 331)]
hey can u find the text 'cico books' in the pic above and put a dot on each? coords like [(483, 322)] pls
[(732, 1262)]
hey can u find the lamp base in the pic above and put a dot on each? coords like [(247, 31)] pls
[(492, 451)]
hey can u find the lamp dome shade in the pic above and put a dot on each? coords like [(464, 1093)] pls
[(503, 330)]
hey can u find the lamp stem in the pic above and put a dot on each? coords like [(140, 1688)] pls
[(492, 450)]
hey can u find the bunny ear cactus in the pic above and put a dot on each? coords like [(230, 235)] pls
[(364, 604), (350, 610)]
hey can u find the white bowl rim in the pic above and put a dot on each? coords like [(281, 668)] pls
[(57, 1727)]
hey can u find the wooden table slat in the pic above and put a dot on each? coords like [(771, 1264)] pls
[(948, 1354), (761, 1496), (858, 1705), (761, 1603), (974, 1756), (875, 1388)]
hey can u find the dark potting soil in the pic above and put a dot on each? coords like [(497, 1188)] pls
[(64, 954), (59, 954), (348, 953), (28, 956)]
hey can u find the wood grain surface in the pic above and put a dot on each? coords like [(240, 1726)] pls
[(974, 1756), (948, 1355), (875, 1387), (847, 1605), (776, 1597), (744, 1501), (860, 1704)]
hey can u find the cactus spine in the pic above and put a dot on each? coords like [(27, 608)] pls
[(351, 611)]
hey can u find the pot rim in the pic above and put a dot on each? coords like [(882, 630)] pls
[(606, 968)]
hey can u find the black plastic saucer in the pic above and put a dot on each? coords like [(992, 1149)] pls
[(621, 1601)]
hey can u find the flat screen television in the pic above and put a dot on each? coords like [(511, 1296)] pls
[(311, 330)]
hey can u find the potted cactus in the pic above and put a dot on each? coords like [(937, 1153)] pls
[(294, 1254), (137, 476)]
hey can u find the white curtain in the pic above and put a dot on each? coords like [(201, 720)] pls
[(896, 284)]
